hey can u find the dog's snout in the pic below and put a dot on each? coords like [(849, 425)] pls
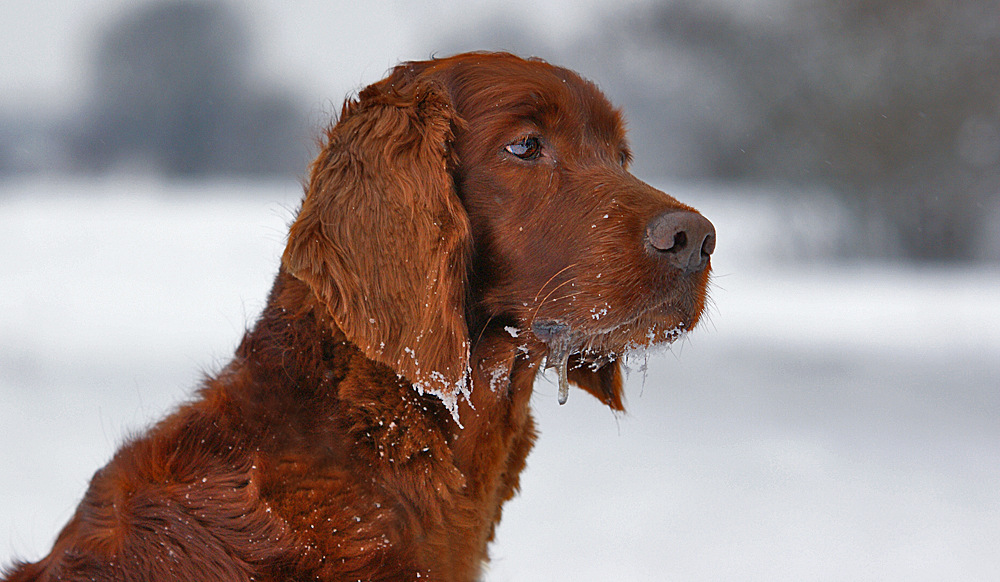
[(686, 239)]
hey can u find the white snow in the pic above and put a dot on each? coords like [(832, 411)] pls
[(826, 421)]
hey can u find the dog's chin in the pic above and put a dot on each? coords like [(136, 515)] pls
[(604, 341), (593, 346)]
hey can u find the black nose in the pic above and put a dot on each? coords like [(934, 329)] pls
[(686, 239)]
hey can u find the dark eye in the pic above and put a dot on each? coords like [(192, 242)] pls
[(625, 158), (528, 148)]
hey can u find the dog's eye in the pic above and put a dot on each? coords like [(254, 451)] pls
[(528, 148), (625, 158)]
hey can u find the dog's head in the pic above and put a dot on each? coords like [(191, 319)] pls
[(484, 192)]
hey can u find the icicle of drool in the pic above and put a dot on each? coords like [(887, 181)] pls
[(560, 361), (557, 336)]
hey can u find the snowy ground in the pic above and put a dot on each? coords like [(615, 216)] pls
[(834, 422)]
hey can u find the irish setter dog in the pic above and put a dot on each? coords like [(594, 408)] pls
[(468, 222)]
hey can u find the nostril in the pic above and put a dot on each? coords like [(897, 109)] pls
[(708, 245), (680, 241), (686, 239)]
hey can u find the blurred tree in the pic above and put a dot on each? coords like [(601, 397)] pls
[(894, 102), (174, 91)]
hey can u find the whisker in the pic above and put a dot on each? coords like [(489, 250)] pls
[(561, 297), (485, 325), (554, 289), (542, 288)]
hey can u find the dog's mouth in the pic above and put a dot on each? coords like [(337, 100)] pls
[(597, 348)]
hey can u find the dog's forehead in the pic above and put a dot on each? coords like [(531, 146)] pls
[(503, 88)]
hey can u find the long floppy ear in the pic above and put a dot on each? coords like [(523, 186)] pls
[(605, 383), (382, 238)]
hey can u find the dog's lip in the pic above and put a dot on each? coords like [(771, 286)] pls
[(560, 338), (560, 331), (549, 330)]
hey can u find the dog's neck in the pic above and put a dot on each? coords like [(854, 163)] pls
[(313, 373)]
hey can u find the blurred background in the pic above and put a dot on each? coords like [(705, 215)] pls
[(888, 107), (837, 417)]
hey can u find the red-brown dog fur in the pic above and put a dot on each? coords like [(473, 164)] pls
[(423, 247)]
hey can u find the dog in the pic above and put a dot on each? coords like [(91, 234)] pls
[(468, 222)]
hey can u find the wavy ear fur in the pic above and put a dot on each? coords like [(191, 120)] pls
[(382, 238)]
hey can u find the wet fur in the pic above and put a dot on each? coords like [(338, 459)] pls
[(424, 256)]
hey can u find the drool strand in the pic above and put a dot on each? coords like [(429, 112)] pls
[(563, 379)]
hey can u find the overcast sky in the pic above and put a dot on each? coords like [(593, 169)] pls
[(325, 47)]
